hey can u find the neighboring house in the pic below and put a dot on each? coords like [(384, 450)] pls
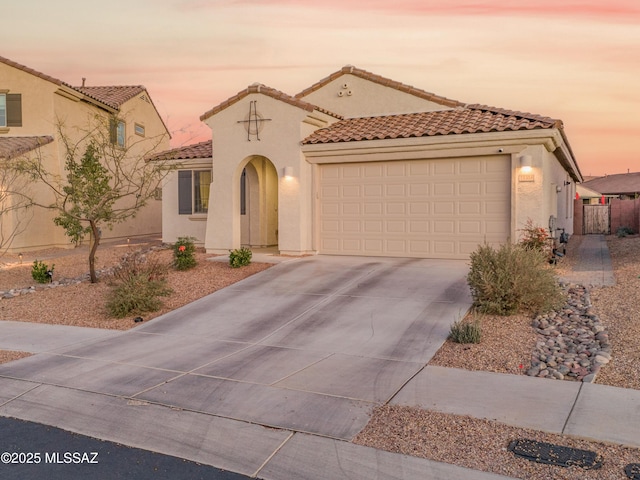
[(33, 104), (358, 164), (588, 196), (621, 185)]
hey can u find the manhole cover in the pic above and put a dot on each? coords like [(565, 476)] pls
[(633, 471), (542, 452)]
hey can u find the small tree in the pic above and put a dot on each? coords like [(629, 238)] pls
[(103, 183)]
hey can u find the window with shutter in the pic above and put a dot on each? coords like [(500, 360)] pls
[(193, 191), (117, 132)]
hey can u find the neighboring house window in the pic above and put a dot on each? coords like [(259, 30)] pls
[(10, 110), (139, 129), (117, 132), (193, 191)]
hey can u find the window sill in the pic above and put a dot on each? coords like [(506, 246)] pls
[(4, 129), (202, 217)]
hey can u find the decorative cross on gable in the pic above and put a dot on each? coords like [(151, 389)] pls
[(253, 122)]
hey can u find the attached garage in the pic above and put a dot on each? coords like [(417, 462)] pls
[(436, 208)]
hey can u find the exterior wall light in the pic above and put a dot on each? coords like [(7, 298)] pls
[(525, 163), (288, 172)]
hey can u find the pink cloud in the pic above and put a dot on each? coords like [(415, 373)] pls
[(616, 10)]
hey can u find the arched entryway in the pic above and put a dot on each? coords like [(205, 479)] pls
[(259, 203)]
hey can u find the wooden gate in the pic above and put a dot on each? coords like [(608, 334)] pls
[(596, 219)]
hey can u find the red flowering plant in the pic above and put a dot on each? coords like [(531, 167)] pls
[(184, 253), (535, 238)]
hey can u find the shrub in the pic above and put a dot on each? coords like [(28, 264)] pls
[(41, 272), (239, 257), (466, 332), (184, 253), (624, 231), (535, 238), (137, 284), (136, 295), (512, 278)]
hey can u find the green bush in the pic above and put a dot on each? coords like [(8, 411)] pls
[(512, 278), (137, 284), (136, 295), (41, 272), (466, 332), (239, 257), (624, 231), (184, 253)]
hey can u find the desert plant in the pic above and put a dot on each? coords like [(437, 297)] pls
[(136, 295), (240, 257), (535, 238), (137, 263), (184, 253), (41, 272), (466, 332), (624, 231), (512, 278), (137, 283)]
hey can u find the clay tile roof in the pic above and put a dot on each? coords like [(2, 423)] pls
[(349, 69), (472, 119), (271, 92), (197, 150), (11, 147), (113, 96)]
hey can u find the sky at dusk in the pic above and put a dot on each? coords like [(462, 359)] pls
[(578, 61)]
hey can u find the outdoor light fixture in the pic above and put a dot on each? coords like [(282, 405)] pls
[(20, 257), (288, 172), (525, 163)]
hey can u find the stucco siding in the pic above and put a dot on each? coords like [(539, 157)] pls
[(351, 96)]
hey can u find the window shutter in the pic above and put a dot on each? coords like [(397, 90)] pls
[(113, 130), (14, 110), (184, 192)]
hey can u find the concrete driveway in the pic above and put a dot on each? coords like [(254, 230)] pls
[(310, 345)]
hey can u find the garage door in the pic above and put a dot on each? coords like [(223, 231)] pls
[(414, 208)]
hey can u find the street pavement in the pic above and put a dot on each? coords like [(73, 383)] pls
[(33, 451)]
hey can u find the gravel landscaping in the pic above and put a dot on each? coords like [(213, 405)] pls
[(482, 444), (607, 344), (83, 304), (513, 345)]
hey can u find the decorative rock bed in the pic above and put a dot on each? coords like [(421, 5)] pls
[(572, 343), (16, 292)]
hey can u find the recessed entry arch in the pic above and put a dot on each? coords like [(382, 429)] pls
[(258, 202)]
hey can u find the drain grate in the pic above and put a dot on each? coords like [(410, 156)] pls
[(542, 452), (633, 471)]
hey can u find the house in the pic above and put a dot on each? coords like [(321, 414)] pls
[(621, 185), (587, 195), (358, 164), (33, 106)]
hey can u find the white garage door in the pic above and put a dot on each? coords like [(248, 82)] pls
[(414, 208)]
